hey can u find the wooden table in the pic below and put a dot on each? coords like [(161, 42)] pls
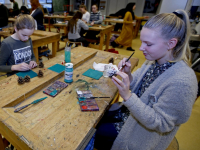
[(12, 20), (103, 29), (41, 38), (136, 27), (56, 16), (55, 123)]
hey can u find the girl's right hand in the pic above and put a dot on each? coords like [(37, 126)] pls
[(21, 67), (127, 67)]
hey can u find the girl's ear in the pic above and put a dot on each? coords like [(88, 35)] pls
[(15, 29), (172, 43)]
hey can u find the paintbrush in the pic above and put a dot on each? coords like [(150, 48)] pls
[(125, 62), (34, 102), (83, 98)]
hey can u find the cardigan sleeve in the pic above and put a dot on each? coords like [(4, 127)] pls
[(138, 18), (173, 107), (128, 18)]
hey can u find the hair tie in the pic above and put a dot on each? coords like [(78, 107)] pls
[(178, 15)]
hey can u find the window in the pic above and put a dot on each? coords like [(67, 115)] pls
[(2, 1), (45, 4)]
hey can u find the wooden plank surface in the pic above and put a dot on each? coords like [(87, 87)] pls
[(58, 16), (56, 123)]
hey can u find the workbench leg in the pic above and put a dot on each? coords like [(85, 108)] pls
[(65, 31), (108, 40), (1, 143), (101, 41), (49, 24), (54, 48), (35, 50)]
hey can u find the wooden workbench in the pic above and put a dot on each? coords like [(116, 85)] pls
[(49, 17), (55, 123), (103, 29), (41, 38)]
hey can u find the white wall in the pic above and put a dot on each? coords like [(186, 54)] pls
[(115, 5), (169, 6), (139, 7), (196, 3)]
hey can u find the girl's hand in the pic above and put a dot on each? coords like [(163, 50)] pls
[(21, 67), (32, 64), (146, 17), (92, 23), (126, 68), (123, 86), (134, 23)]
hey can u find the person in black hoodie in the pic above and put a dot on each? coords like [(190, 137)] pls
[(3, 16)]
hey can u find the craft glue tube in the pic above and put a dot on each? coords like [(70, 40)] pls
[(67, 54), (68, 73)]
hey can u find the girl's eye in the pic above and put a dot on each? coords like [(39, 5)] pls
[(149, 44)]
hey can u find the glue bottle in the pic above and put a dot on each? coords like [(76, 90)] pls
[(68, 72), (67, 54)]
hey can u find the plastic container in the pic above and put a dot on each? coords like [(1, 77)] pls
[(68, 73), (67, 54)]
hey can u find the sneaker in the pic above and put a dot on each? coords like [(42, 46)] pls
[(114, 44)]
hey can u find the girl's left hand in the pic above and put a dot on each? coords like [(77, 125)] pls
[(33, 64), (123, 86), (92, 23)]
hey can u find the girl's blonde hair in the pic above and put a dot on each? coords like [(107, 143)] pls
[(24, 22), (174, 25), (83, 6)]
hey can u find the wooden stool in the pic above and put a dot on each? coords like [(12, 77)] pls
[(43, 49), (173, 145), (68, 41)]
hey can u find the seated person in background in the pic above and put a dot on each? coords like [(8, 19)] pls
[(3, 16), (86, 14), (16, 52), (24, 10), (15, 11), (37, 13), (95, 16), (74, 27)]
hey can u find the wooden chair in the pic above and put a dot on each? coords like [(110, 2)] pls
[(75, 43), (67, 8)]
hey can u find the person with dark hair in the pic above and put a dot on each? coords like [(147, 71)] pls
[(126, 36), (37, 13), (24, 10), (16, 52), (159, 96), (3, 16), (74, 27)]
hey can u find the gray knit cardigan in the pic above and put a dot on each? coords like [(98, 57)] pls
[(156, 116)]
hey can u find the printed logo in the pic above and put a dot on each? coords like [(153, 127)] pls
[(22, 55)]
